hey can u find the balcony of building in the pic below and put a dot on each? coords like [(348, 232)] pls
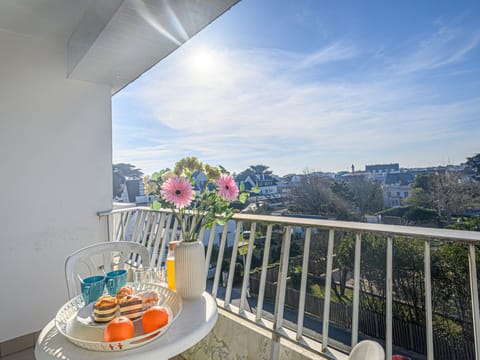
[(60, 64)]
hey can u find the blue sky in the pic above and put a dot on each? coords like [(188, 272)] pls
[(317, 85)]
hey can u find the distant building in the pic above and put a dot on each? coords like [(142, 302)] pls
[(382, 168), (266, 183), (356, 176), (397, 187)]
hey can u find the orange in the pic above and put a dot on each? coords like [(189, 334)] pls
[(120, 328), (154, 318)]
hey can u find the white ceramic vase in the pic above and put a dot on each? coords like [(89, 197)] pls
[(190, 278)]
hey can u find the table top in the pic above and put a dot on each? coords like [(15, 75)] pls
[(195, 321)]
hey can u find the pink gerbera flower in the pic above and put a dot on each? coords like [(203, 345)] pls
[(178, 191), (228, 190)]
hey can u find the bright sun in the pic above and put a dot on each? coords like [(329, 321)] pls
[(203, 60)]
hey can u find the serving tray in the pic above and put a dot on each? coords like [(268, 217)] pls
[(70, 322)]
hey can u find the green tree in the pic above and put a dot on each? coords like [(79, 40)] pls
[(129, 171), (254, 171), (448, 193), (474, 163), (367, 196), (407, 273), (314, 196), (451, 290)]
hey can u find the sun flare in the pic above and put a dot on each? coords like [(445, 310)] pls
[(203, 60)]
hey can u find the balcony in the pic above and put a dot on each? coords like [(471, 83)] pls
[(262, 309), (60, 65)]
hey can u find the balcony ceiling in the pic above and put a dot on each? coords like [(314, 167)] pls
[(111, 42)]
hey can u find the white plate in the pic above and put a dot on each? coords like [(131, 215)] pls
[(85, 314), (73, 321)]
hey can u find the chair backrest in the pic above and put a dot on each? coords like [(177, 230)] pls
[(367, 350), (101, 258)]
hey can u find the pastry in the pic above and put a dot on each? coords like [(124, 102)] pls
[(124, 291), (149, 297), (105, 309), (131, 306)]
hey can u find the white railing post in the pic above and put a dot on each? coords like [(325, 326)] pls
[(389, 291), (474, 294), (263, 276), (328, 287), (218, 270), (233, 261), (428, 300), (246, 268), (303, 284), (281, 289), (356, 288), (208, 255)]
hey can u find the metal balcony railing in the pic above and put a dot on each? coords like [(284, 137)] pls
[(155, 229)]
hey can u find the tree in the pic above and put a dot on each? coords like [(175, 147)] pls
[(450, 278), (128, 171), (255, 171), (474, 163), (314, 196), (367, 196), (412, 215), (448, 193), (407, 273)]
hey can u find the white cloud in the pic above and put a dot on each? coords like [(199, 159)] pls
[(260, 106), (447, 46)]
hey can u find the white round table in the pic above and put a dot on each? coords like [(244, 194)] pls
[(194, 322)]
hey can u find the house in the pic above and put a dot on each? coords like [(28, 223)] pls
[(396, 187), (379, 171)]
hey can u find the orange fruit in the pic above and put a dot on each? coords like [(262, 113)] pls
[(154, 318), (120, 328)]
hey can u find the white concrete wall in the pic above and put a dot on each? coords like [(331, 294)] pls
[(235, 338), (55, 151)]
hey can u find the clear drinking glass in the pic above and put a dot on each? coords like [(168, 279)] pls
[(158, 275), (141, 276)]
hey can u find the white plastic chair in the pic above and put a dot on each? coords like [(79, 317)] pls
[(101, 258), (367, 350)]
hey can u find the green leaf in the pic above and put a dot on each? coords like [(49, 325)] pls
[(156, 205), (242, 187), (220, 221), (255, 190), (243, 198)]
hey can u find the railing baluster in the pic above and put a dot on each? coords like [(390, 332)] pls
[(174, 231), (389, 290), (231, 272), (137, 226), (328, 287), (146, 226), (474, 294), (218, 270), (156, 238), (281, 289), (166, 235), (263, 276), (211, 238), (356, 288), (303, 284), (282, 279), (428, 300), (246, 268), (125, 225), (119, 225)]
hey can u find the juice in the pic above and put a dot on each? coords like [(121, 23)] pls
[(171, 273)]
